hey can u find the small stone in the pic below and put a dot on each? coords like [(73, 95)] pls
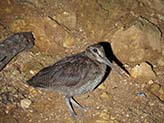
[(157, 90), (141, 94), (105, 95), (32, 72), (163, 52), (25, 103), (102, 86), (143, 70), (150, 82), (33, 92)]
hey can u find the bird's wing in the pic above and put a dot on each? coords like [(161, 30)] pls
[(3, 53), (67, 72)]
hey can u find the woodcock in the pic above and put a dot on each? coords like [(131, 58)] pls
[(75, 74)]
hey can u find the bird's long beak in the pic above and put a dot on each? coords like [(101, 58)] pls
[(107, 62)]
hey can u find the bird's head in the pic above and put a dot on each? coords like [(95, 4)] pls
[(96, 52)]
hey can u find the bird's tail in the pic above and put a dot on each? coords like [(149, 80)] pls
[(31, 82)]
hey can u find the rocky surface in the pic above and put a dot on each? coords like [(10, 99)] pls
[(134, 29), (140, 38), (144, 71)]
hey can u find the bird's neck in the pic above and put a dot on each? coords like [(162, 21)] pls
[(93, 58)]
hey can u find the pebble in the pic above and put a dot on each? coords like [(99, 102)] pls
[(101, 87), (150, 82), (157, 90), (106, 95), (141, 94), (163, 52), (25, 103), (143, 70)]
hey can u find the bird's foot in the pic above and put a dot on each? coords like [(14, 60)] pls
[(75, 103), (74, 116)]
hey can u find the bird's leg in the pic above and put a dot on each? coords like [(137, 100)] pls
[(69, 105), (74, 102)]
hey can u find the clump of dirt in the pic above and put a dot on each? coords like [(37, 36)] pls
[(134, 29)]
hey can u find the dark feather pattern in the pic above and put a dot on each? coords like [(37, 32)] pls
[(70, 71)]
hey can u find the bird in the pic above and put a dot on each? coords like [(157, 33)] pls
[(75, 75)]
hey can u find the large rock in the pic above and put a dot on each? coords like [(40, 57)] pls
[(137, 41)]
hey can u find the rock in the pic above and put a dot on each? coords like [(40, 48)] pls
[(161, 61), (102, 86), (34, 92), (157, 90), (143, 70), (163, 52), (106, 95), (152, 34), (136, 40), (25, 103), (150, 82)]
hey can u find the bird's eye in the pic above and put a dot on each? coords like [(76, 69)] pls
[(95, 50)]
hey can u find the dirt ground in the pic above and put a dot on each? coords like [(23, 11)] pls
[(62, 27)]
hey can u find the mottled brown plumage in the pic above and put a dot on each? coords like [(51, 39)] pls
[(75, 74)]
